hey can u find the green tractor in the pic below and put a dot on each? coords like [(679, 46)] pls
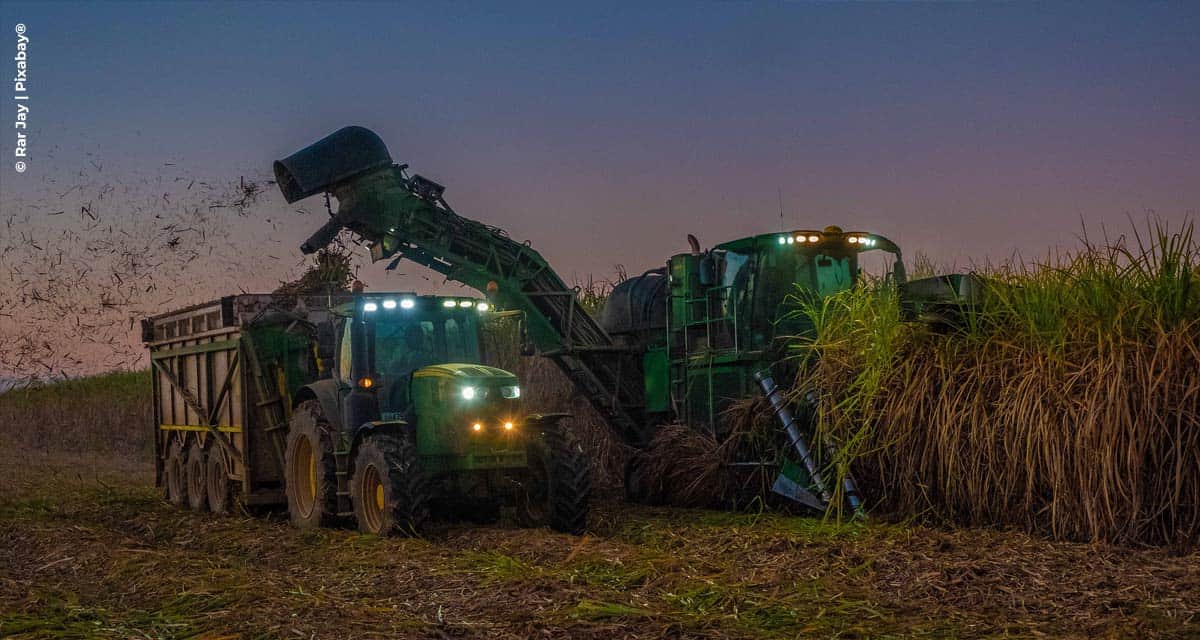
[(408, 418)]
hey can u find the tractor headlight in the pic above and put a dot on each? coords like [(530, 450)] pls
[(510, 392), (468, 393)]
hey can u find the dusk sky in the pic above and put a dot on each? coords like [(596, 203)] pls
[(605, 134)]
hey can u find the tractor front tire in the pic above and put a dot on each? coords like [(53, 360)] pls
[(310, 474), (557, 484), (389, 490), (196, 469), (174, 473)]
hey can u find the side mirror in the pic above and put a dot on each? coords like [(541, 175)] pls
[(326, 348)]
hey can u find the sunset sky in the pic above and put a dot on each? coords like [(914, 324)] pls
[(605, 134)]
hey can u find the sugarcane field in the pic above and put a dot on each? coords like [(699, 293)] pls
[(814, 320)]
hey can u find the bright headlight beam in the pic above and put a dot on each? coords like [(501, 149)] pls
[(408, 303), (448, 303), (389, 304), (370, 306), (465, 304), (468, 393), (482, 306)]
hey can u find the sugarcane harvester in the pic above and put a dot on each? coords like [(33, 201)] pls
[(679, 343)]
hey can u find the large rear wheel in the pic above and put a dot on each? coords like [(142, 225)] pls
[(389, 490), (310, 473), (557, 484), (174, 473), (196, 468)]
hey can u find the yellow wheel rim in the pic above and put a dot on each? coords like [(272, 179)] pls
[(370, 489), (304, 466)]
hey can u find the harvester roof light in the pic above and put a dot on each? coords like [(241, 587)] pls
[(800, 238), (852, 240), (782, 240), (370, 306), (482, 306), (791, 240), (465, 303), (448, 303), (389, 304), (477, 427), (508, 426), (813, 238), (408, 303)]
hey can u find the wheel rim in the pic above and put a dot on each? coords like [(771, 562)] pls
[(304, 472), (175, 473), (195, 476), (216, 480), (370, 488)]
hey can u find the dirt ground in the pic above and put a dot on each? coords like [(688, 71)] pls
[(87, 549)]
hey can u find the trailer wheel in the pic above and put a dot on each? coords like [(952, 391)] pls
[(389, 490), (194, 472), (174, 475), (310, 474), (557, 484), (218, 485)]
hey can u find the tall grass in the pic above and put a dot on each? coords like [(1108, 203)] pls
[(110, 413), (1067, 403)]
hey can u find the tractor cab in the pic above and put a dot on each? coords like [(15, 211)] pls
[(397, 335), (758, 276)]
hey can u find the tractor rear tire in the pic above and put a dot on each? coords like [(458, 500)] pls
[(174, 474), (310, 473), (196, 467), (217, 485), (389, 490), (558, 483)]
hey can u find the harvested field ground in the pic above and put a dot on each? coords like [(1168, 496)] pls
[(87, 549)]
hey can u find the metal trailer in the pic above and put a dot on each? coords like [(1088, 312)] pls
[(223, 374)]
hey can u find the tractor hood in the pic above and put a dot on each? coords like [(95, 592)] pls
[(468, 374)]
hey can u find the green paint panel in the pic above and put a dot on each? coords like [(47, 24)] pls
[(657, 368)]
